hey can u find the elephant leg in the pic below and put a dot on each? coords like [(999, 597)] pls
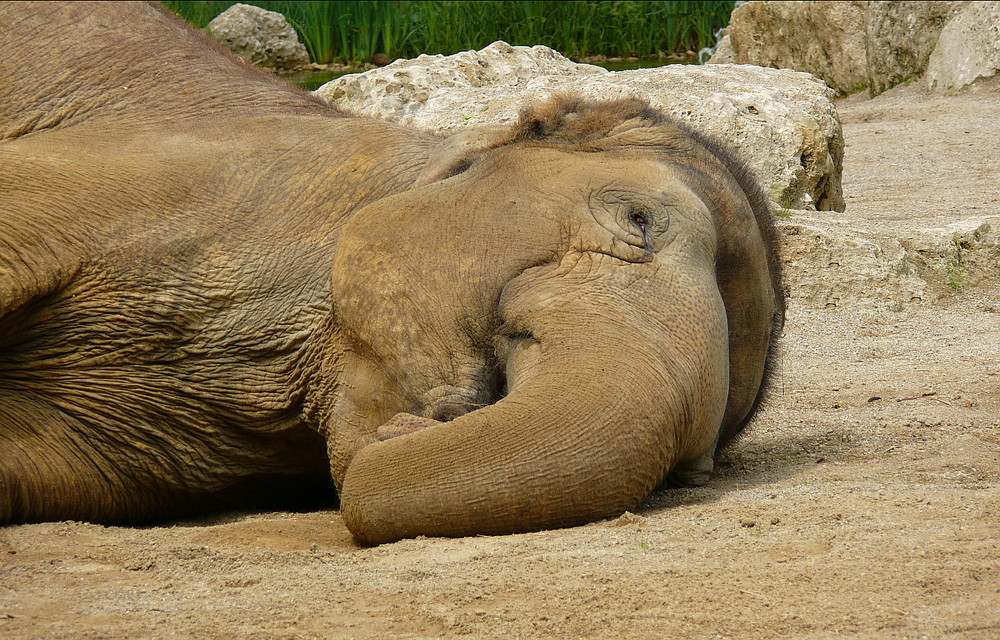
[(54, 466), (693, 473), (50, 470)]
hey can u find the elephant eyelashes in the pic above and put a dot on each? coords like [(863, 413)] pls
[(461, 167), (640, 218)]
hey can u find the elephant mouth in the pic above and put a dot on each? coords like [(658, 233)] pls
[(486, 387), (446, 402), (434, 414)]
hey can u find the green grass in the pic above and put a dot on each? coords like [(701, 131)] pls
[(353, 31), (955, 275)]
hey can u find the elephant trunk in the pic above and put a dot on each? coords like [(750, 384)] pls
[(609, 387)]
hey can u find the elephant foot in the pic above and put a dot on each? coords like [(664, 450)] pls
[(694, 473), (402, 424)]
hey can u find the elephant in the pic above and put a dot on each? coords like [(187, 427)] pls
[(217, 290)]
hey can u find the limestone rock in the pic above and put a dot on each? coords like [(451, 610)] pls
[(900, 37), (782, 124), (851, 45), (401, 89), (826, 39), (968, 47), (827, 267), (259, 36), (959, 255), (829, 264)]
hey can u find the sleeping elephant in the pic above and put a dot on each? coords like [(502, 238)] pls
[(214, 288)]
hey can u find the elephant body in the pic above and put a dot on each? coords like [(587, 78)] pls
[(215, 288)]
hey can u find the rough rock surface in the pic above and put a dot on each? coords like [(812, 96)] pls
[(851, 45), (826, 39), (831, 264), (968, 48), (837, 267), (783, 124), (400, 91), (900, 37), (259, 36), (960, 255)]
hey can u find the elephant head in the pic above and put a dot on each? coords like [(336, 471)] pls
[(558, 315)]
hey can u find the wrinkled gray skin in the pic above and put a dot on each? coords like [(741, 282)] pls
[(205, 274)]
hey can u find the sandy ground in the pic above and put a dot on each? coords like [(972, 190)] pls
[(865, 503)]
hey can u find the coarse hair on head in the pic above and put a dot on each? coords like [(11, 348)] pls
[(569, 119)]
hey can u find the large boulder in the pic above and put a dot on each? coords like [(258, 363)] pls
[(782, 123), (400, 91), (830, 265), (900, 38), (851, 45), (962, 254), (259, 37), (826, 39), (968, 47)]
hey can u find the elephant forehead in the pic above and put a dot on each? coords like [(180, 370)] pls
[(626, 204), (638, 177)]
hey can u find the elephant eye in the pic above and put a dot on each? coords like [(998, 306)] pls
[(639, 218)]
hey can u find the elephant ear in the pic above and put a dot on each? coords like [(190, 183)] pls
[(455, 153)]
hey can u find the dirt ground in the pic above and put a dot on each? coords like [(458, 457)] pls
[(865, 503)]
